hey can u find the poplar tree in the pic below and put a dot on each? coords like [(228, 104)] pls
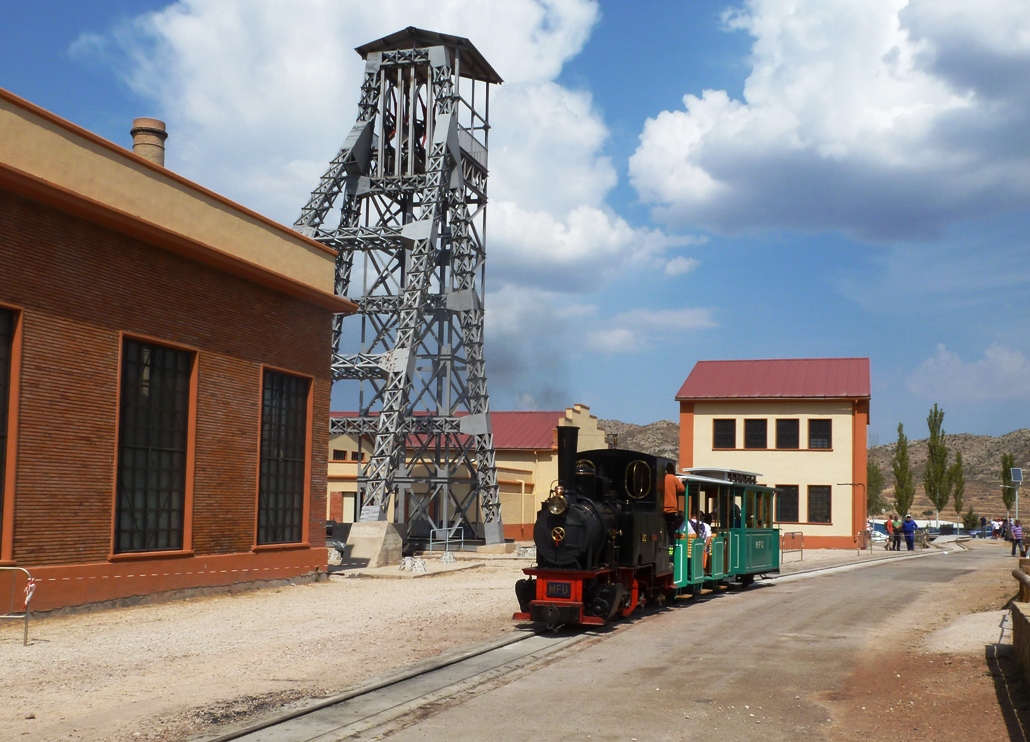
[(904, 482), (935, 479), (875, 481), (1008, 490), (957, 476)]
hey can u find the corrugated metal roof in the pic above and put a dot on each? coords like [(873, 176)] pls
[(512, 430), (793, 378), (527, 430)]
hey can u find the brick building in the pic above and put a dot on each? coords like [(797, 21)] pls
[(799, 423), (164, 374)]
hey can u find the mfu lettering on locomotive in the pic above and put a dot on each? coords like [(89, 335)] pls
[(603, 541)]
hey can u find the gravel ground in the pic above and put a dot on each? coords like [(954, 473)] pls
[(171, 671)]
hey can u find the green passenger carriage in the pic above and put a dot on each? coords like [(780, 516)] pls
[(744, 540)]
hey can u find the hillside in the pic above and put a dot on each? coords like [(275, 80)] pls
[(981, 460), (658, 439), (981, 457)]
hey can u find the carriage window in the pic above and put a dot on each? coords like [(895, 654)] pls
[(787, 434), (787, 503), (756, 434), (820, 434), (724, 434), (819, 503)]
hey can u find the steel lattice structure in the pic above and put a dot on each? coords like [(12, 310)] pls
[(404, 204)]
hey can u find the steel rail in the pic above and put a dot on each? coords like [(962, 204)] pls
[(419, 670)]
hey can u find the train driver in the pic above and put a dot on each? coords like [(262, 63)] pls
[(671, 505)]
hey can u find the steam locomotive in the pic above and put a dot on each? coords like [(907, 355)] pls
[(602, 542)]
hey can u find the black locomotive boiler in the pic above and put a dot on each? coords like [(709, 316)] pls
[(601, 538)]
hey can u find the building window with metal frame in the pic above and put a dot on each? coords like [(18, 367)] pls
[(153, 441), (284, 424), (819, 503), (756, 433), (724, 433), (6, 351), (787, 434), (787, 503), (820, 433)]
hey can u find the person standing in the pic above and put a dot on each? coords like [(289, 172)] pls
[(983, 526), (889, 525), (897, 532), (1017, 538), (673, 512), (909, 529)]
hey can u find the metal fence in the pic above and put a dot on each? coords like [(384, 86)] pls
[(447, 537), (18, 605), (792, 541)]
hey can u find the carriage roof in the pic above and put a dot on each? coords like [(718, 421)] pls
[(715, 475)]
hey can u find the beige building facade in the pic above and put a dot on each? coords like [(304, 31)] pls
[(799, 424), (526, 460)]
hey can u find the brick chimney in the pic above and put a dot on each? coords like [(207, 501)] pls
[(148, 139)]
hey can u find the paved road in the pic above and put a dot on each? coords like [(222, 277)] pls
[(738, 665)]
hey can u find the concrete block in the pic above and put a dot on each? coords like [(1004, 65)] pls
[(502, 548), (377, 541)]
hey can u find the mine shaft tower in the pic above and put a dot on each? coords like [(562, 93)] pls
[(404, 204)]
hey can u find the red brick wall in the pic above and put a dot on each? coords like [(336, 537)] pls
[(79, 286)]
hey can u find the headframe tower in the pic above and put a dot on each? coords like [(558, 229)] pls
[(404, 204)]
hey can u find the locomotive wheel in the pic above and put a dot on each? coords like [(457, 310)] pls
[(746, 580), (634, 599)]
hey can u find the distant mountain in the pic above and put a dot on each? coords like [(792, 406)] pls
[(981, 458), (658, 439)]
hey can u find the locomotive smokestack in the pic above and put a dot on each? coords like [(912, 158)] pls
[(568, 445)]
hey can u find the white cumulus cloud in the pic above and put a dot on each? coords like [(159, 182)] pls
[(643, 329), (260, 94), (880, 118), (1002, 374)]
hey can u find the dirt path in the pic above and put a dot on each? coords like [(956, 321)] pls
[(938, 679), (167, 671), (171, 671)]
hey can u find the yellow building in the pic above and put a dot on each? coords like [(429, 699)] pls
[(799, 423), (526, 459)]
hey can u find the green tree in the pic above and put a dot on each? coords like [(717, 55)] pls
[(970, 520), (1008, 490), (875, 482), (904, 482), (957, 476), (936, 481)]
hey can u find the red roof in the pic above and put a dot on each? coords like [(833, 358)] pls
[(518, 430), (793, 378), (530, 430)]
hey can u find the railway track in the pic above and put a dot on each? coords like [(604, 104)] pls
[(389, 705)]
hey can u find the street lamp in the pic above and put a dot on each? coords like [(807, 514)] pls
[(862, 485), (1016, 488)]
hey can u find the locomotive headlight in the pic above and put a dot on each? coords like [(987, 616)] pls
[(557, 504)]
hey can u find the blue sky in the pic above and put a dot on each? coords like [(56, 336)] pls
[(670, 181)]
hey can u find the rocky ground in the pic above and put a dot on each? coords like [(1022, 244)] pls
[(172, 671)]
